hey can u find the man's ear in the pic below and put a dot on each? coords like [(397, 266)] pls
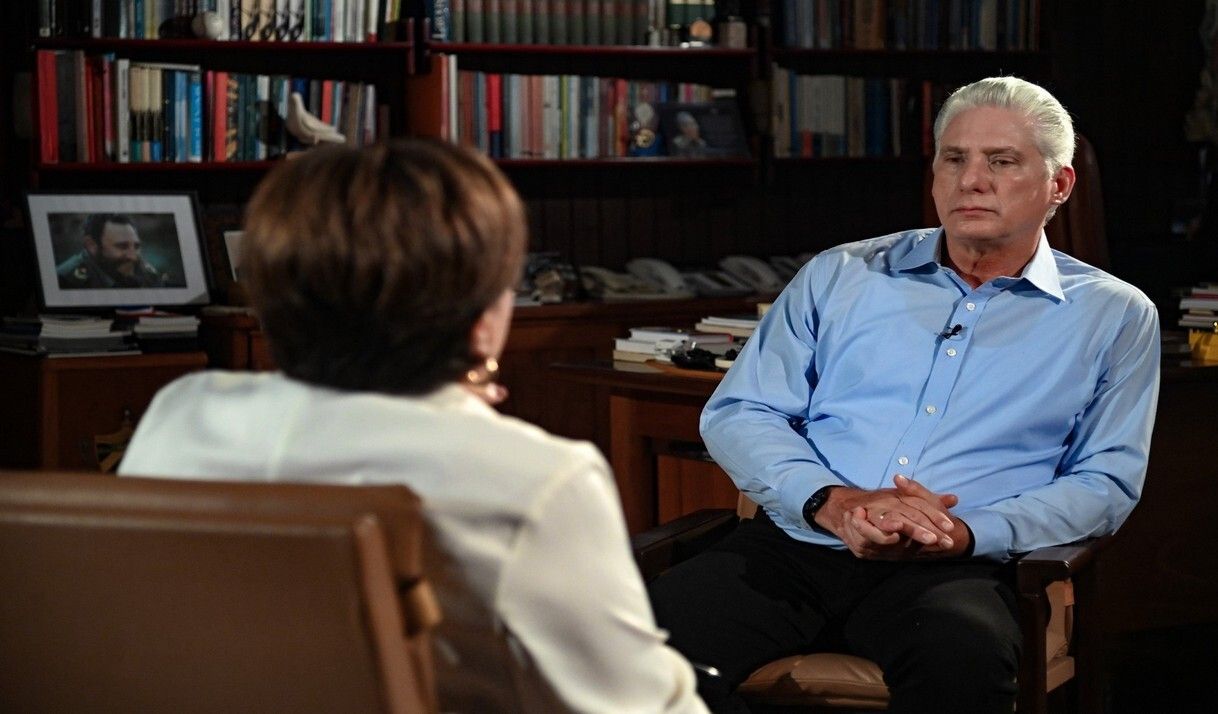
[(90, 245), (1063, 184)]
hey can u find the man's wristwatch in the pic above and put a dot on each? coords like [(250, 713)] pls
[(814, 503)]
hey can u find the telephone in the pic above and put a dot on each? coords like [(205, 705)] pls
[(753, 272), (660, 274), (613, 287), (716, 283)]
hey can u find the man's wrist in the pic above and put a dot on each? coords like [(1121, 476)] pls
[(814, 504)]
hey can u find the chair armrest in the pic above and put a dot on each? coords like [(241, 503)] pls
[(662, 547), (1057, 562)]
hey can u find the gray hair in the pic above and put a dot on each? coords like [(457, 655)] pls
[(1052, 127)]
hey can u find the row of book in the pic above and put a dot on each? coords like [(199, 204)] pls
[(252, 20), (556, 117), (94, 108), (562, 22), (910, 24), (128, 332), (835, 115)]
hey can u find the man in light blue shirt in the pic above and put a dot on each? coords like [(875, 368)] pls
[(913, 412)]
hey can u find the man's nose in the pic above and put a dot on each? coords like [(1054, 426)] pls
[(973, 175)]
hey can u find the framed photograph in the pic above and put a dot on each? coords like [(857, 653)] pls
[(709, 130), (99, 250)]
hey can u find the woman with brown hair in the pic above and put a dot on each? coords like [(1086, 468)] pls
[(383, 279)]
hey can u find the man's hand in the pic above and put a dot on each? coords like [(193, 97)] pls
[(898, 523)]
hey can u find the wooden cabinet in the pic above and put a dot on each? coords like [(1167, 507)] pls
[(57, 413)]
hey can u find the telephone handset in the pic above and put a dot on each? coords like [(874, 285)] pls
[(612, 286), (660, 274), (754, 272), (716, 283)]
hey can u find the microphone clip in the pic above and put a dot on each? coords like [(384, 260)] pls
[(952, 331)]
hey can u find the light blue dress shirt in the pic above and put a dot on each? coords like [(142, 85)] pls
[(1036, 412)]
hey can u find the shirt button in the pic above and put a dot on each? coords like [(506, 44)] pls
[(951, 351), (903, 461), (970, 306), (931, 409)]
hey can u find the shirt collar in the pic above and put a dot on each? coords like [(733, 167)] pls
[(1041, 271)]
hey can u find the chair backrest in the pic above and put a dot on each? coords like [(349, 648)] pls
[(157, 595), (1078, 228)]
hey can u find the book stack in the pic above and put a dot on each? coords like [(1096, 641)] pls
[(157, 331), (658, 343), (737, 326), (64, 335), (1200, 306)]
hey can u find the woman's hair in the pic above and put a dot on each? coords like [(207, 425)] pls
[(369, 267), (1052, 128)]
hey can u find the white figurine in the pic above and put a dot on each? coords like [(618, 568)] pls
[(208, 25), (308, 128)]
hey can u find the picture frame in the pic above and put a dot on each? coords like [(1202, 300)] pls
[(97, 250), (703, 130)]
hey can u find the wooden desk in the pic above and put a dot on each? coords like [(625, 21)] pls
[(56, 408), (649, 409)]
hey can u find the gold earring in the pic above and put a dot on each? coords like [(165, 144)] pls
[(482, 382), (484, 374)]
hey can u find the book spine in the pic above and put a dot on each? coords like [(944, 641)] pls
[(558, 23), (577, 19), (542, 12), (232, 119), (511, 21), (47, 106), (81, 86), (106, 108), (475, 20), (196, 109), (610, 9), (495, 115)]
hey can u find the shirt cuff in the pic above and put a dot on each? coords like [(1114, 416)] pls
[(797, 487), (992, 535)]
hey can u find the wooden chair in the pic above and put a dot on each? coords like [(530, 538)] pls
[(130, 595), (1059, 637)]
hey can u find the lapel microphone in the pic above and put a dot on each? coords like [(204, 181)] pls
[(952, 332)]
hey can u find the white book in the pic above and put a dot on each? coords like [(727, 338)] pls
[(223, 9), (338, 25), (369, 114), (551, 117), (652, 334), (122, 109)]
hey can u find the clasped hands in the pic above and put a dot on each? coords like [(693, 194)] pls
[(908, 521)]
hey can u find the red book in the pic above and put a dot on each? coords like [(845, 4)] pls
[(46, 109), (327, 101), (494, 114), (217, 87)]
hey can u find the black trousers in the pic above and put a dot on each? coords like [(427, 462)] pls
[(944, 632)]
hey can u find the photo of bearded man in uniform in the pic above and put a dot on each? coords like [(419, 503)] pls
[(112, 254)]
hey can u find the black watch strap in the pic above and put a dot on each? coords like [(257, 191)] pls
[(814, 504)]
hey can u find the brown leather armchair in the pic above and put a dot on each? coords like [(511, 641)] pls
[(1059, 637), (151, 595)]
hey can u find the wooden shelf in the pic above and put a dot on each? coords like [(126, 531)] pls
[(635, 162), (940, 65), (362, 61), (714, 66)]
